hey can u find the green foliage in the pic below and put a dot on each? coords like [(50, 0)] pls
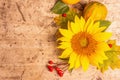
[(104, 23), (60, 7), (113, 57), (63, 21)]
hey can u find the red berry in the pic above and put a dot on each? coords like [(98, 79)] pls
[(64, 15), (57, 69), (50, 62), (60, 73), (50, 68), (110, 45)]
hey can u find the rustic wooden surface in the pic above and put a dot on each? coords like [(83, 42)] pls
[(27, 41)]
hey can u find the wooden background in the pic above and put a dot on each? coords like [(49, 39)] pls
[(27, 41)]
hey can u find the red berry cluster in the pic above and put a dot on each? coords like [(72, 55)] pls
[(51, 66)]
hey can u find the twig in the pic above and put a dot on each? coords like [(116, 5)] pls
[(22, 74), (20, 12)]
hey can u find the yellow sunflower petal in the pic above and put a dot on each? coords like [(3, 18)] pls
[(64, 45), (72, 60), (99, 30), (103, 56), (82, 22), (88, 25), (74, 28), (66, 33), (94, 27), (84, 62), (100, 60), (100, 56), (78, 62), (79, 24), (102, 36), (66, 53), (77, 19), (103, 46), (69, 26), (93, 60), (63, 39)]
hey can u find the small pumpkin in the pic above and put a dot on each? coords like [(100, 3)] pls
[(71, 1), (96, 10)]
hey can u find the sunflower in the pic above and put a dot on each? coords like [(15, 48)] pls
[(84, 43)]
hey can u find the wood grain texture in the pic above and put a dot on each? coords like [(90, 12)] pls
[(27, 41)]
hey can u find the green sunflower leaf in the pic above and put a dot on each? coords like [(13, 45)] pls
[(60, 7), (104, 23)]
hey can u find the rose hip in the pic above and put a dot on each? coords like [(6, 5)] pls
[(50, 62), (50, 68), (60, 73)]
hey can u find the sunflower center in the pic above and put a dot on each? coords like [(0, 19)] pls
[(83, 43)]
